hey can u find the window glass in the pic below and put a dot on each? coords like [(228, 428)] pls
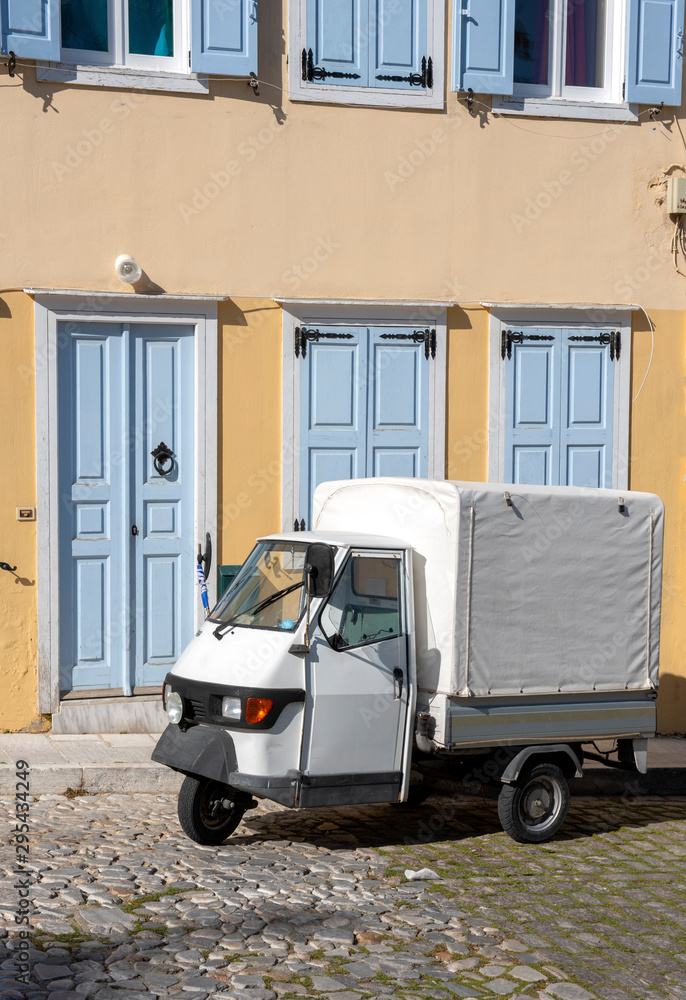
[(365, 605), (531, 41), (84, 25), (151, 27), (268, 591), (585, 62)]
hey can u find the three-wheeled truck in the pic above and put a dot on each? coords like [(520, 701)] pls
[(423, 627)]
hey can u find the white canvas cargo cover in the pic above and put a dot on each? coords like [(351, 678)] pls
[(559, 592)]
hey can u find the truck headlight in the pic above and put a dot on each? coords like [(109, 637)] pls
[(174, 707), (231, 707)]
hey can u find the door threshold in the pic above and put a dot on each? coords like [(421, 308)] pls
[(109, 693)]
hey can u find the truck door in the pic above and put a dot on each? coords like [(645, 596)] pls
[(358, 685)]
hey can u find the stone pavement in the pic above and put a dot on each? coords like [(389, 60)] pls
[(121, 763), (315, 903)]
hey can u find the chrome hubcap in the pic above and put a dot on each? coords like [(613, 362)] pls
[(540, 803)]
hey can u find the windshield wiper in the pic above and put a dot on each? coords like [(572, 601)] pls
[(220, 631)]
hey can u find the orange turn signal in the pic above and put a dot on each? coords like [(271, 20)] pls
[(257, 709)]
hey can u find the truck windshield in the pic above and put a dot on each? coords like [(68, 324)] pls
[(268, 591)]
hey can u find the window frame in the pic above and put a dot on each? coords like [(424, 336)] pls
[(403, 619), (118, 59), (614, 61), (300, 90), (585, 317), (330, 312)]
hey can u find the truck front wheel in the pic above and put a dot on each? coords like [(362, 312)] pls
[(209, 811), (534, 809)]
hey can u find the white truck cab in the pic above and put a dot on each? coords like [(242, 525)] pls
[(421, 627)]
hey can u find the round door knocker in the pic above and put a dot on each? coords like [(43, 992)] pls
[(163, 459)]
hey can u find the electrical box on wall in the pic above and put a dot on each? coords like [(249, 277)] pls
[(676, 195)]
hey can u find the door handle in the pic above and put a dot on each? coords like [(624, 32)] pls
[(398, 681)]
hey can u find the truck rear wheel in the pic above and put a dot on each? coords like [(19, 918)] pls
[(209, 811), (533, 810)]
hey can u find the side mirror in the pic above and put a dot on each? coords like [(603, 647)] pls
[(319, 566)]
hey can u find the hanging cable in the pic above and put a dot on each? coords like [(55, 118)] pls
[(652, 349), (486, 107)]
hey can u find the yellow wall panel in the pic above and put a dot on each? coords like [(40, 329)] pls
[(658, 465), (467, 395), (249, 440), (18, 633)]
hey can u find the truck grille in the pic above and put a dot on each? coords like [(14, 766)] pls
[(195, 710)]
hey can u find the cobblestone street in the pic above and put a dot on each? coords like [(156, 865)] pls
[(316, 903)]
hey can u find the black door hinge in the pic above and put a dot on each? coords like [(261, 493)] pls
[(310, 72), (426, 337), (613, 338), (423, 79), (304, 333), (510, 337)]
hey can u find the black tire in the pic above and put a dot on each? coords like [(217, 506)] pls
[(209, 811), (533, 810)]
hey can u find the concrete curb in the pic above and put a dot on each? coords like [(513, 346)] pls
[(55, 779)]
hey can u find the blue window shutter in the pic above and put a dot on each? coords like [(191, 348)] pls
[(31, 28), (532, 405), (655, 52), (333, 410), (337, 43), (224, 37), (398, 405), (587, 395), (483, 46), (398, 56)]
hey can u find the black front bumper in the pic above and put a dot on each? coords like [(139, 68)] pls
[(208, 752), (199, 750)]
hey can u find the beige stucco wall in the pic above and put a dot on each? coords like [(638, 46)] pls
[(234, 194), (258, 198)]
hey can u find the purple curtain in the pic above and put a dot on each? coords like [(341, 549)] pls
[(541, 44), (583, 29)]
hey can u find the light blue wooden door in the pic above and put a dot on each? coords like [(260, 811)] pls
[(364, 406), (93, 611), (162, 503), (126, 534), (559, 407)]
